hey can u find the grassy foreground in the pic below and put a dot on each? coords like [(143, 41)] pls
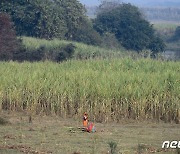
[(109, 90), (46, 135)]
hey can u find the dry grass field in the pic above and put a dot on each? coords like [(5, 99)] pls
[(51, 134)]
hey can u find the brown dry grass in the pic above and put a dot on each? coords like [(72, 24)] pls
[(51, 134)]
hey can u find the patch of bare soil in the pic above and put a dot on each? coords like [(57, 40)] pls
[(146, 149), (23, 149)]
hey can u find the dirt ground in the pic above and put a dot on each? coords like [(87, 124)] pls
[(52, 134)]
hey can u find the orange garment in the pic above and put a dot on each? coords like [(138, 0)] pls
[(85, 120)]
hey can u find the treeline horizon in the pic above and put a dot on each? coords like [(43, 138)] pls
[(162, 13), (117, 25), (151, 13)]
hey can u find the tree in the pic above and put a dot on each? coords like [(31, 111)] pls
[(8, 41), (176, 35), (128, 25), (107, 5), (64, 19), (156, 45), (45, 18), (39, 18), (73, 16), (86, 34)]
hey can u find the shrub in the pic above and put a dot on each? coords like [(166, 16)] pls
[(113, 146), (66, 52), (29, 55), (57, 54), (8, 41)]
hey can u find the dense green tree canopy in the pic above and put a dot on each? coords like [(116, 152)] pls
[(86, 34), (38, 18), (45, 18), (73, 15), (129, 27)]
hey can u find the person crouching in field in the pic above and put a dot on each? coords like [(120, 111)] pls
[(88, 127), (85, 120)]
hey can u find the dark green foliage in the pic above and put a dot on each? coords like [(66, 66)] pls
[(128, 25), (27, 55), (39, 18), (113, 146), (73, 15), (86, 34), (157, 45), (66, 52), (8, 41), (42, 53), (36, 55), (45, 18), (64, 19), (177, 32), (79, 27), (176, 36)]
